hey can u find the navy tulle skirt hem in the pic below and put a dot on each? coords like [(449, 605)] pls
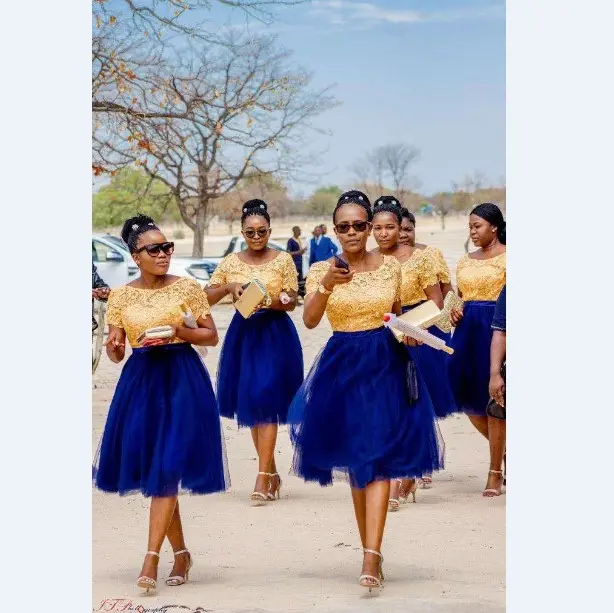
[(261, 368), (432, 365), (353, 415), (469, 366), (163, 434)]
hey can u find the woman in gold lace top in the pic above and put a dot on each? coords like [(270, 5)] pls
[(261, 365), (480, 278), (163, 431), (361, 410)]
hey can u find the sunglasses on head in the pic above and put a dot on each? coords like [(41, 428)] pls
[(262, 232), (155, 248), (359, 226)]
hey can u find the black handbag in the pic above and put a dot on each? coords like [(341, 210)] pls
[(494, 409)]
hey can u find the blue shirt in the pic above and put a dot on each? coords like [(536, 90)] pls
[(321, 250), (498, 321)]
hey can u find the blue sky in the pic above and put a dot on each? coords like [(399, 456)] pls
[(427, 72)]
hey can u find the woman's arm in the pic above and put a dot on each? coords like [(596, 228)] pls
[(446, 288), (278, 305), (316, 301), (116, 344), (204, 335), (433, 292), (496, 385)]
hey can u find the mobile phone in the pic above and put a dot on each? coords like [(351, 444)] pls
[(341, 263)]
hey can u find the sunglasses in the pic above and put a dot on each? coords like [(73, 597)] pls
[(262, 232), (154, 249), (359, 226)]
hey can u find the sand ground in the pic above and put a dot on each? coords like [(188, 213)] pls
[(446, 553)]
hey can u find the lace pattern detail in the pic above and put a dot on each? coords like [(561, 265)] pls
[(361, 303), (418, 273), (441, 267), (277, 275), (481, 279), (135, 310)]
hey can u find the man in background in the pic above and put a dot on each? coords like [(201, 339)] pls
[(296, 250), (100, 291), (321, 248)]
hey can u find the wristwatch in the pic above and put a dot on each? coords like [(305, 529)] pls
[(323, 290)]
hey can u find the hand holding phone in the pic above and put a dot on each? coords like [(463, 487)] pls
[(341, 263)]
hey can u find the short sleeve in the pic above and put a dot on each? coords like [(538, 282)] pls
[(289, 274), (427, 271), (398, 274), (443, 272), (315, 276), (219, 276), (498, 322), (114, 308), (197, 300)]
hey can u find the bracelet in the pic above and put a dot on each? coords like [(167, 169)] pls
[(323, 290)]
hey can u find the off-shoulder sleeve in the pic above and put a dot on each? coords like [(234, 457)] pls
[(197, 300), (315, 276), (219, 276), (115, 307), (427, 270), (289, 274)]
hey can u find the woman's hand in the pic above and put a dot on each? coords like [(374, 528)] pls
[(496, 388), (116, 344), (235, 290), (455, 316), (411, 342), (101, 293), (336, 276), (155, 342)]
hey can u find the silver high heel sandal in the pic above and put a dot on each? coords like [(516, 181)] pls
[(258, 498), (393, 503), (273, 494), (369, 581), (177, 580), (493, 492), (147, 583)]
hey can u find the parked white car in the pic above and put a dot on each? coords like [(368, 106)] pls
[(116, 266)]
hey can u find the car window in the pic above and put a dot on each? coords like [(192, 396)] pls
[(271, 246), (100, 250), (231, 246)]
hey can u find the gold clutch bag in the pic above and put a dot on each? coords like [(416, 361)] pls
[(423, 316), (253, 296), (451, 301)]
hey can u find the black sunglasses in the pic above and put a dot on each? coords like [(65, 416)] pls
[(359, 226), (262, 232), (155, 248)]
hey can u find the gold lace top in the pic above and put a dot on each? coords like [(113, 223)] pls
[(481, 279), (278, 275), (441, 268), (418, 273), (136, 310), (361, 303)]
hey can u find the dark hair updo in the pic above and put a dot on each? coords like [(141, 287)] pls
[(255, 207), (388, 204), (134, 227), (492, 214), (407, 214), (354, 197)]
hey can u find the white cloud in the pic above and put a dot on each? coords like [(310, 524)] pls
[(345, 11)]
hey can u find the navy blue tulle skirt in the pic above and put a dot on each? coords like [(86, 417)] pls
[(261, 368), (163, 434), (432, 365), (469, 366), (353, 414)]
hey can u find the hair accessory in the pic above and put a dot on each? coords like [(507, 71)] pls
[(150, 224), (393, 202), (360, 198), (135, 226), (262, 206), (380, 202), (347, 198)]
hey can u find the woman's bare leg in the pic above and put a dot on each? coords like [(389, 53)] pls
[(480, 423), (496, 439), (359, 499), (175, 538), (377, 494), (267, 437), (160, 516)]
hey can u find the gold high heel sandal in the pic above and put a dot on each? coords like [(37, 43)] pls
[(274, 493), (491, 492), (177, 580), (147, 583), (369, 581), (393, 503), (258, 498), (426, 483)]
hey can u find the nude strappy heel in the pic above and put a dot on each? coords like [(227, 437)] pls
[(276, 493), (177, 580), (147, 583), (393, 503), (492, 492), (410, 492), (369, 581), (258, 498), (426, 483)]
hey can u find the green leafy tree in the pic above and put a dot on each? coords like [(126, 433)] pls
[(323, 201), (131, 191)]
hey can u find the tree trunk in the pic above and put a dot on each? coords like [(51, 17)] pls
[(199, 239), (230, 224), (443, 221)]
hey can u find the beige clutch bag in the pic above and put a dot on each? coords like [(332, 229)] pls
[(253, 296), (423, 316)]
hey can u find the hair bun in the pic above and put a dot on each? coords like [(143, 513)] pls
[(356, 196), (256, 203), (390, 200), (134, 224)]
